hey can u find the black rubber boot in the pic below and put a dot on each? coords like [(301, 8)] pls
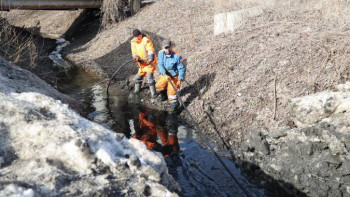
[(163, 95), (153, 93), (174, 108), (137, 87)]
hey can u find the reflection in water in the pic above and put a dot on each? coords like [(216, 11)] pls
[(156, 137), (56, 56), (99, 103), (197, 170), (90, 94)]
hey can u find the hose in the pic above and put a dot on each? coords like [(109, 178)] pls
[(207, 140), (109, 84)]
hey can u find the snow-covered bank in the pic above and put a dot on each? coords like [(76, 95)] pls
[(47, 149)]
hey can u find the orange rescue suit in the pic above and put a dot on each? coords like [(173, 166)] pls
[(145, 50)]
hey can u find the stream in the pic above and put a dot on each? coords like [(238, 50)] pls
[(199, 172)]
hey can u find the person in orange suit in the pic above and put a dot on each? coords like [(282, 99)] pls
[(143, 54)]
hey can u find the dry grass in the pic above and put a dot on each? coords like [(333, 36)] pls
[(232, 5), (15, 47), (113, 11), (305, 44)]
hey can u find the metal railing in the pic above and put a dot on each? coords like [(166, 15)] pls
[(49, 4)]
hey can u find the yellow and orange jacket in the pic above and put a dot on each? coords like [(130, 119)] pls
[(144, 49)]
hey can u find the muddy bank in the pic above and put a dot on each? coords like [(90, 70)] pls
[(28, 51), (312, 159), (50, 24), (30, 37)]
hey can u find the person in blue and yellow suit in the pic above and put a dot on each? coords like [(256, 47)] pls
[(143, 53), (170, 66)]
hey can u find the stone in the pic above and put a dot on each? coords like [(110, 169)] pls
[(151, 174), (331, 159), (134, 161), (306, 149), (278, 134), (318, 146), (311, 131), (276, 167), (297, 169), (258, 144), (337, 147), (345, 168)]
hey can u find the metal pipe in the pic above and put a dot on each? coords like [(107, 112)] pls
[(49, 4)]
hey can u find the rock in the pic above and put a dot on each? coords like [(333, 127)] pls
[(311, 109), (346, 191), (345, 168), (134, 161), (319, 146), (311, 131), (297, 169), (337, 147), (231, 21), (258, 144), (149, 173), (306, 149), (278, 134), (16, 190), (276, 167), (331, 159)]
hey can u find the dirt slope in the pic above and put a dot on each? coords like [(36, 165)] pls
[(303, 45), (51, 24)]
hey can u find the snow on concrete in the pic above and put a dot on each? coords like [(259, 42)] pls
[(48, 149), (229, 22)]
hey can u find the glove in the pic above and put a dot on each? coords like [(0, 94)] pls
[(166, 150), (149, 61), (178, 84), (136, 59)]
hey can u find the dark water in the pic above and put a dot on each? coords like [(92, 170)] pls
[(91, 94)]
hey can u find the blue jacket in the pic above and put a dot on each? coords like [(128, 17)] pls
[(172, 65)]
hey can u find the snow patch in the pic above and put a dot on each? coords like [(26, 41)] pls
[(13, 190), (59, 152)]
